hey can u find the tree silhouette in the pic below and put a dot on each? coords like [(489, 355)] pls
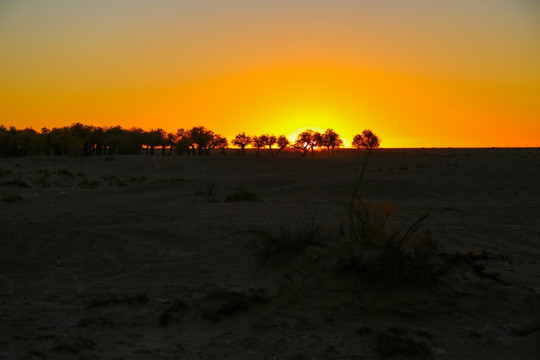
[(170, 139), (61, 140), (131, 141), (21, 141), (317, 142), (306, 141), (183, 142), (258, 142), (202, 138), (220, 143), (367, 140), (152, 139), (83, 140), (242, 140), (268, 140), (15, 142), (97, 141), (330, 139), (282, 143), (113, 136)]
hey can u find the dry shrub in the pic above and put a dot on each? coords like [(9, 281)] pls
[(382, 253), (287, 243), (368, 221)]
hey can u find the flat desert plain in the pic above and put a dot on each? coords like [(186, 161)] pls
[(142, 257)]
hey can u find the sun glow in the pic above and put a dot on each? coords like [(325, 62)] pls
[(277, 68), (299, 121)]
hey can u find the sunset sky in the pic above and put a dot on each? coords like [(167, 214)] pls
[(419, 73)]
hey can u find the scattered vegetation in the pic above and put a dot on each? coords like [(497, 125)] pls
[(84, 140), (288, 243), (372, 251), (376, 249), (370, 246), (381, 253)]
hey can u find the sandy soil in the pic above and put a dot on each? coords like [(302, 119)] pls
[(134, 257)]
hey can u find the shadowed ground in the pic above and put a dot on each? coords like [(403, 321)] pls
[(141, 257)]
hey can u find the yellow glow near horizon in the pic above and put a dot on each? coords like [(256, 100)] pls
[(417, 73)]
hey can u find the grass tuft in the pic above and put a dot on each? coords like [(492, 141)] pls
[(287, 244), (382, 253)]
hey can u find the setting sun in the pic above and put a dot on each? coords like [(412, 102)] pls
[(256, 179), (406, 71)]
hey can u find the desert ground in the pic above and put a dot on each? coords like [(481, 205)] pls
[(142, 257)]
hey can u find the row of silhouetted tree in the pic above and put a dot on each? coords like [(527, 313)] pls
[(84, 140)]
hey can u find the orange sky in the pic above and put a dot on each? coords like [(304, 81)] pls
[(418, 73)]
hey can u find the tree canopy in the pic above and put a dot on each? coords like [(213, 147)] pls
[(367, 140), (84, 140)]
